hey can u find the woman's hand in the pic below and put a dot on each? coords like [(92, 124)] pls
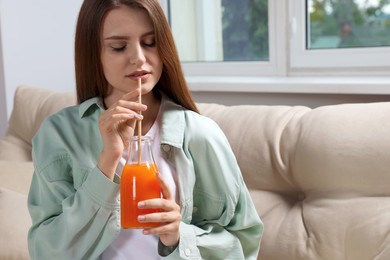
[(169, 217), (116, 126)]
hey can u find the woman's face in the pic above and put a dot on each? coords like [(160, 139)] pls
[(129, 52)]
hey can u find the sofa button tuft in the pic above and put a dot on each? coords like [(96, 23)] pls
[(301, 196)]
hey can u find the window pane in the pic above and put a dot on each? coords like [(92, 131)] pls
[(220, 30), (348, 23)]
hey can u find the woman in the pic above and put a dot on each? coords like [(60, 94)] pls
[(206, 211)]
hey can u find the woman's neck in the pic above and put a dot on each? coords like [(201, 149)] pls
[(153, 102)]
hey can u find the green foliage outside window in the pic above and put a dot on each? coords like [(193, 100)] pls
[(345, 24), (245, 30)]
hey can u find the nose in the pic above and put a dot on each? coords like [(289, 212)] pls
[(137, 56)]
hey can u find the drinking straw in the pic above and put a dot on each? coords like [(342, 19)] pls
[(139, 121)]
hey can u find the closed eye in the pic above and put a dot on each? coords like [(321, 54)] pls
[(119, 49), (149, 44), (149, 41)]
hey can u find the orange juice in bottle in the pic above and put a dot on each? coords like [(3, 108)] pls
[(138, 182)]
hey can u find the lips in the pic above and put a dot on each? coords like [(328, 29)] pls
[(138, 74)]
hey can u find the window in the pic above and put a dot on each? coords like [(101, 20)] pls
[(281, 38), (348, 24), (316, 37), (235, 35), (220, 30)]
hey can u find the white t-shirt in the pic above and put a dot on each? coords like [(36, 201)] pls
[(131, 243)]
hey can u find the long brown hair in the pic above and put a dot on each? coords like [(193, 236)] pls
[(90, 80)]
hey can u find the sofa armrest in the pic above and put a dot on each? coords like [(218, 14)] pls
[(31, 106), (16, 176), (15, 221)]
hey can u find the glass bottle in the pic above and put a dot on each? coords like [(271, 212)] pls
[(138, 182)]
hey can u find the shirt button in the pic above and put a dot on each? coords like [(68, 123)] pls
[(187, 252), (166, 148), (195, 209)]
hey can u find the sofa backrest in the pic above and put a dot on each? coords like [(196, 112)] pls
[(31, 106), (329, 148), (257, 135)]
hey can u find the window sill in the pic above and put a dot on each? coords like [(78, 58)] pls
[(294, 85)]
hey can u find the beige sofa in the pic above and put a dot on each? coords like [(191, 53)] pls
[(320, 178)]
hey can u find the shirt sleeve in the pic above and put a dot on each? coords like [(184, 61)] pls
[(238, 240), (224, 222), (70, 223)]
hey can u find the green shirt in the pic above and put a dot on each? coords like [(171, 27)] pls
[(75, 208)]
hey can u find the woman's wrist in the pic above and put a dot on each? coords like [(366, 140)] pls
[(107, 165)]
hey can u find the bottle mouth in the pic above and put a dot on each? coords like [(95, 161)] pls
[(143, 138)]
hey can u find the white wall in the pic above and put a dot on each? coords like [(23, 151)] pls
[(3, 101), (36, 47)]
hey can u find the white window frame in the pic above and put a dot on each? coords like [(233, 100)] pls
[(301, 58)]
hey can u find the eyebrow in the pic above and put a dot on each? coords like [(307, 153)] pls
[(119, 37)]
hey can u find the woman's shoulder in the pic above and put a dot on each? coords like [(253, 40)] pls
[(71, 116), (175, 113), (47, 143), (59, 118), (202, 131), (201, 122), (63, 135)]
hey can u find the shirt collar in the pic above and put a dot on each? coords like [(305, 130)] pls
[(173, 122), (173, 118), (89, 104)]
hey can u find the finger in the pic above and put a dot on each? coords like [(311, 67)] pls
[(110, 120), (161, 217), (165, 228), (165, 190), (116, 110), (119, 113), (122, 116), (124, 106), (132, 95), (131, 105)]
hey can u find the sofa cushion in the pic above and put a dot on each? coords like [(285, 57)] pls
[(16, 176), (256, 135), (14, 224), (31, 106), (15, 179)]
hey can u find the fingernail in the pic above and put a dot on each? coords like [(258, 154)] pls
[(139, 116), (141, 218), (141, 204)]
